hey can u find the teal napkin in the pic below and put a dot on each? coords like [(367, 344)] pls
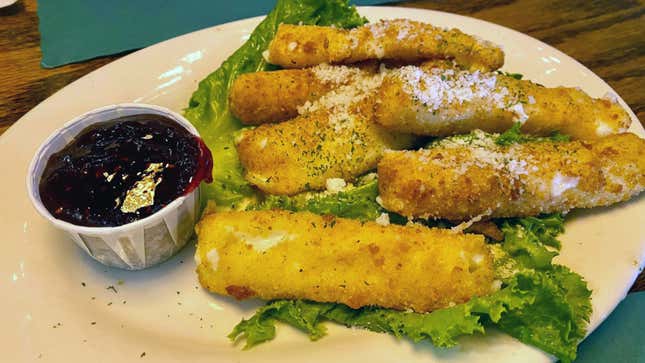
[(77, 30), (620, 338)]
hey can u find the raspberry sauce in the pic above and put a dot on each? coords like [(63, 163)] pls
[(123, 170)]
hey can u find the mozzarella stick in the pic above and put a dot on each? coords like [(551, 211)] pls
[(470, 176), (445, 101), (286, 255), (264, 97), (334, 137), (302, 153), (267, 97), (298, 46)]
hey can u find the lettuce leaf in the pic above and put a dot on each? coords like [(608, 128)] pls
[(515, 136), (556, 319), (511, 136), (208, 108), (541, 304), (357, 202), (547, 309), (545, 228), (525, 247)]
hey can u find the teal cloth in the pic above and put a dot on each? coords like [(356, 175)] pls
[(620, 338), (77, 30)]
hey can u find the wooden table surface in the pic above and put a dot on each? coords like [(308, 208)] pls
[(606, 36)]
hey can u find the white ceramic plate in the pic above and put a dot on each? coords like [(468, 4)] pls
[(55, 304)]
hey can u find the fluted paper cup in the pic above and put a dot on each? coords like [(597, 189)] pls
[(131, 246)]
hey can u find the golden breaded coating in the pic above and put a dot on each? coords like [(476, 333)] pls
[(302, 153), (267, 97), (264, 97), (444, 101), (469, 176), (334, 137), (298, 46), (287, 255)]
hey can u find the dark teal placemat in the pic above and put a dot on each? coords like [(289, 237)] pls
[(76, 30), (620, 338)]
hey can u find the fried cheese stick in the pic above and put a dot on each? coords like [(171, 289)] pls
[(287, 255), (463, 178), (443, 101), (434, 99), (302, 153), (334, 137), (298, 46), (274, 96), (265, 97)]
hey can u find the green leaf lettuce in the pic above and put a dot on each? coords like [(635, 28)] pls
[(208, 108), (541, 304), (357, 202), (515, 136)]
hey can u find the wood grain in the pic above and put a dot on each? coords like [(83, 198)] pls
[(606, 36)]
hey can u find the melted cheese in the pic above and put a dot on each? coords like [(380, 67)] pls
[(264, 243), (213, 258), (562, 183)]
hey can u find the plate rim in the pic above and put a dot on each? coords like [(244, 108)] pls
[(11, 130), (369, 8)]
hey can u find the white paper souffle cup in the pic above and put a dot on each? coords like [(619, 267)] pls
[(136, 245)]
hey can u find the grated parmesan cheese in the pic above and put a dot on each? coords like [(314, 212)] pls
[(335, 185), (440, 89), (329, 74), (483, 42), (379, 201), (403, 33), (603, 129), (383, 219), (497, 284), (610, 96), (266, 55), (483, 152), (339, 102), (520, 115), (465, 225)]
